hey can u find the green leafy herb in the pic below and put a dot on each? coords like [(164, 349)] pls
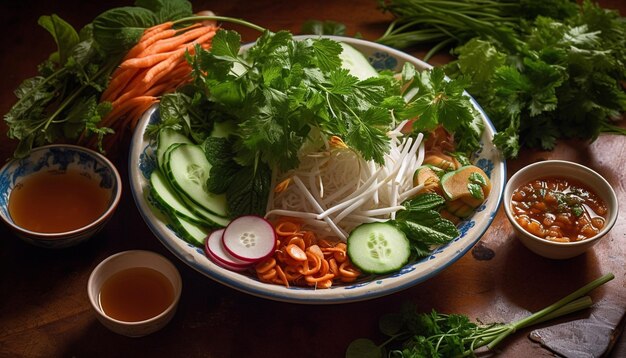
[(542, 70), (438, 101), (280, 91), (413, 334), (475, 186), (249, 191), (423, 225)]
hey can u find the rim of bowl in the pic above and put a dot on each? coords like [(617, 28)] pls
[(612, 204), (177, 286), (102, 218)]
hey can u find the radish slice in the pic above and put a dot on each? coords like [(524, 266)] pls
[(250, 238), (214, 249)]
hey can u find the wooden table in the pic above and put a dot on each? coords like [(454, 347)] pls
[(45, 312)]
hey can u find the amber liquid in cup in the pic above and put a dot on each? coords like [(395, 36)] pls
[(136, 294), (55, 202)]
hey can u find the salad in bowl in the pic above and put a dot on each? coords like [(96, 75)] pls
[(316, 169)]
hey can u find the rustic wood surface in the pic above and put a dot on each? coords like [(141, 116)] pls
[(45, 311)]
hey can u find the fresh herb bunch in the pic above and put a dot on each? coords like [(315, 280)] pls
[(281, 89), (542, 70), (432, 335), (452, 23), (562, 81), (62, 102)]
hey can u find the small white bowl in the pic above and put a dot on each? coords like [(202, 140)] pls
[(564, 169), (126, 260), (60, 158)]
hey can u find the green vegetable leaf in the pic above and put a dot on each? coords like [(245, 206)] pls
[(166, 10), (64, 35), (475, 186), (327, 54), (118, 29), (423, 225), (423, 202), (428, 227), (249, 190), (438, 101), (226, 44)]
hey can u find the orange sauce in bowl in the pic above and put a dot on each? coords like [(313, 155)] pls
[(56, 202), (559, 209), (136, 294)]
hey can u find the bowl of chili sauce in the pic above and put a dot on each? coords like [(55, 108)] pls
[(559, 209)]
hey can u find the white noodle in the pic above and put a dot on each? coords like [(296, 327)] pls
[(336, 189)]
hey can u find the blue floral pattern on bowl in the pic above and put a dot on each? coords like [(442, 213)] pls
[(488, 158), (60, 158)]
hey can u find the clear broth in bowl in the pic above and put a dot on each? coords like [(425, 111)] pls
[(136, 294), (55, 201)]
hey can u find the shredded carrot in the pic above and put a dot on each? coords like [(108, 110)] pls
[(302, 259)]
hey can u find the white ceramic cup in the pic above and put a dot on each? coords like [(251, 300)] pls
[(126, 260)]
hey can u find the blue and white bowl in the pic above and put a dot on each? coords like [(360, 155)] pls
[(142, 162), (60, 158)]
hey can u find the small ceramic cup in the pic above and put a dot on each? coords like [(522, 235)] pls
[(564, 169), (60, 159), (126, 260)]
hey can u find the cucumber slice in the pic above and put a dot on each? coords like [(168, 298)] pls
[(355, 62), (192, 233), (187, 168), (207, 216), (164, 194), (378, 248), (165, 139)]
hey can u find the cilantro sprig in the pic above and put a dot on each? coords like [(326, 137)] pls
[(280, 89)]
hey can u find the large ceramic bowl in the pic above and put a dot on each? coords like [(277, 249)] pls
[(61, 159), (142, 163)]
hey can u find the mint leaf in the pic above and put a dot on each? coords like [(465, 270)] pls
[(428, 227), (423, 225), (249, 190)]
